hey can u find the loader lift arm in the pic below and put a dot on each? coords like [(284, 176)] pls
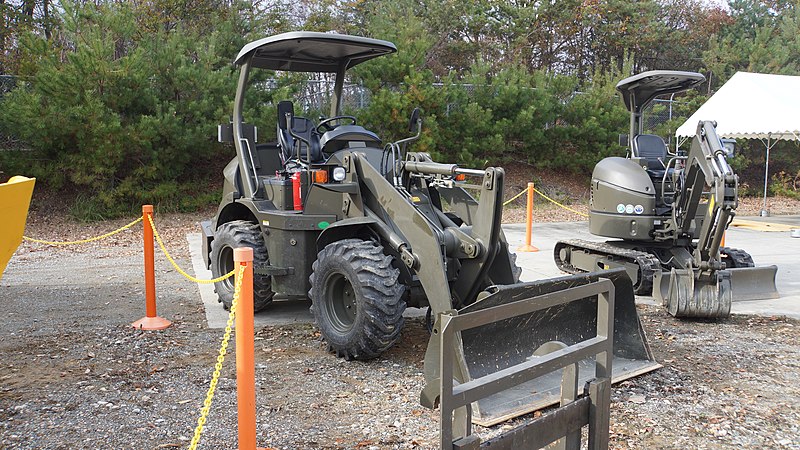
[(421, 237)]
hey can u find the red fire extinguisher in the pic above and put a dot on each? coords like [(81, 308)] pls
[(298, 200)]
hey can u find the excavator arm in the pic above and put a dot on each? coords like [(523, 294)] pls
[(701, 285), (706, 168)]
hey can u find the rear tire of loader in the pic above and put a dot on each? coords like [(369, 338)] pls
[(356, 299), (231, 235)]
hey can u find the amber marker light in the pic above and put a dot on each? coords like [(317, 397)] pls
[(321, 176)]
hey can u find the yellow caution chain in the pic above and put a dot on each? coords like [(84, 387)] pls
[(84, 241), (175, 265), (559, 204), (515, 197), (546, 198), (223, 349)]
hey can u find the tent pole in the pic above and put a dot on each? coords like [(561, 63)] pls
[(764, 212)]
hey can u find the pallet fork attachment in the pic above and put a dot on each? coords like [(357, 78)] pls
[(458, 401), (562, 310)]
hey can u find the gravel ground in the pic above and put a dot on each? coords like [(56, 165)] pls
[(75, 376)]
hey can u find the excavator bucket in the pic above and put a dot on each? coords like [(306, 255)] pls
[(688, 293), (502, 344), (15, 198)]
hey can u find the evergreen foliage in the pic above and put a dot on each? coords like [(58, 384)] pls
[(119, 101)]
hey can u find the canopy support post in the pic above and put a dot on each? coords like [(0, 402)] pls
[(769, 144)]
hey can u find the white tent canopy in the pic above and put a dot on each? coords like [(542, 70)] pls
[(752, 106)]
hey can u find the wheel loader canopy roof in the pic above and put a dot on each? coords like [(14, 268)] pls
[(639, 90), (307, 51)]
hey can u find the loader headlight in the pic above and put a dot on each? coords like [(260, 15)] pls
[(338, 173)]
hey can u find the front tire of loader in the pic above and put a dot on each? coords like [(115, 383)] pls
[(356, 299), (231, 235)]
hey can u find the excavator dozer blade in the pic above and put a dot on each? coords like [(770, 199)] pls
[(502, 344), (754, 283), (15, 198), (686, 294)]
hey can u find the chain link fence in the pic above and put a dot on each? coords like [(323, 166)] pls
[(657, 113), (7, 83), (8, 142)]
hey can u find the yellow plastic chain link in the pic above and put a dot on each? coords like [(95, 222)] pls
[(515, 197), (546, 198), (559, 204), (223, 349), (84, 241), (175, 265)]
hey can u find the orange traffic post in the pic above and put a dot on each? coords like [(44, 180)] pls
[(529, 223), (722, 243), (151, 321), (245, 360)]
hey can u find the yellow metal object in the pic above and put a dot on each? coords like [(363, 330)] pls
[(15, 199), (223, 349), (761, 226), (175, 265)]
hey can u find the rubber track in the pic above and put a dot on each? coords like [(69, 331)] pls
[(648, 263), (738, 257)]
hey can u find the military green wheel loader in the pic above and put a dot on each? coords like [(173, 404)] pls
[(367, 230), (669, 213)]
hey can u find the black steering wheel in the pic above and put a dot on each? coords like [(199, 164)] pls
[(324, 125)]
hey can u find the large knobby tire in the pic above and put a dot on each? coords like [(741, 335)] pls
[(236, 234), (356, 299)]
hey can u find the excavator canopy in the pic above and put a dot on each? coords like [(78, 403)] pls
[(640, 89)]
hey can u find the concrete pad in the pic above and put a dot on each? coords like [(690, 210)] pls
[(767, 248), (282, 311)]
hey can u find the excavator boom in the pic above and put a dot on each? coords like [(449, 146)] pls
[(704, 286)]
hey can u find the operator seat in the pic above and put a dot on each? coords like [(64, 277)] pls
[(652, 149), (309, 151)]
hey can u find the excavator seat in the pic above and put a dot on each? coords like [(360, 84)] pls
[(652, 149), (310, 149)]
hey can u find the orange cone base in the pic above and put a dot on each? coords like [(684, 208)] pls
[(151, 323), (527, 248)]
